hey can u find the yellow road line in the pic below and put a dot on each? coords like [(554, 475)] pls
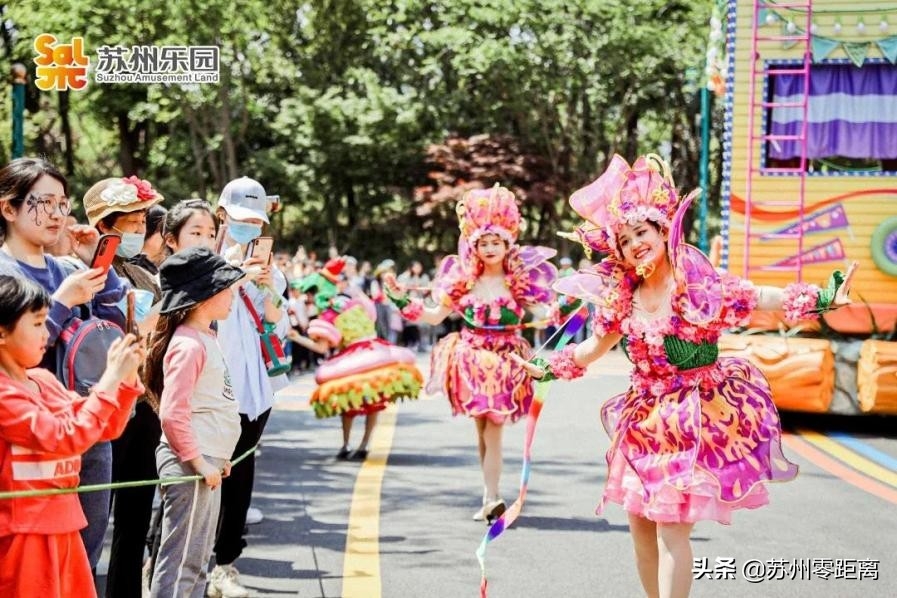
[(858, 462), (361, 564)]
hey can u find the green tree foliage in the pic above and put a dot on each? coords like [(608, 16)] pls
[(344, 107)]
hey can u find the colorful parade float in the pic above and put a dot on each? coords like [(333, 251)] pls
[(810, 183)]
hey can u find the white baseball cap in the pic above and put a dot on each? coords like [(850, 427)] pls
[(244, 198)]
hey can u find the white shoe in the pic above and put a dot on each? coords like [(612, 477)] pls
[(491, 510), (224, 582), (480, 515), (494, 509), (254, 516)]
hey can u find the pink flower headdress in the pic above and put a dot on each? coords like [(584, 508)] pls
[(488, 211), (484, 212), (625, 195)]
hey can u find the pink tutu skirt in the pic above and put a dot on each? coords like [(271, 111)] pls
[(473, 370), (702, 448), (669, 505)]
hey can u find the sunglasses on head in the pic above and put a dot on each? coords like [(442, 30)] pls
[(197, 203)]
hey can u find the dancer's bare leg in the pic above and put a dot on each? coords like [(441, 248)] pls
[(347, 429), (370, 421), (645, 540), (481, 426), (492, 457), (675, 559)]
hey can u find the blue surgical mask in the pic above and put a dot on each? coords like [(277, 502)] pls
[(243, 232), (131, 244), (143, 304)]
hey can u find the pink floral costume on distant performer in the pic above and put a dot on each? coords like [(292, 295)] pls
[(471, 367), (695, 436)]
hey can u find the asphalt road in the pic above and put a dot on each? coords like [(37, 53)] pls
[(409, 531)]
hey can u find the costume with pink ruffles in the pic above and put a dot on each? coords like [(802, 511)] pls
[(471, 367), (695, 436)]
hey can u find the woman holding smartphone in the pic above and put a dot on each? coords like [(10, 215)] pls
[(118, 207), (243, 211), (34, 206)]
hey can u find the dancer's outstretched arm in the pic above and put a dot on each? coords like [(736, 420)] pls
[(774, 298), (413, 308), (317, 345), (591, 349)]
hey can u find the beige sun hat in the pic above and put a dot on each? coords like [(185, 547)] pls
[(124, 195)]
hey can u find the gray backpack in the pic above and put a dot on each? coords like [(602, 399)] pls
[(81, 352)]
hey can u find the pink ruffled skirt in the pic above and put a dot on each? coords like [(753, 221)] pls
[(473, 370), (702, 449), (668, 505)]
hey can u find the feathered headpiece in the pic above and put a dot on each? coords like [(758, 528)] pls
[(488, 211), (624, 194)]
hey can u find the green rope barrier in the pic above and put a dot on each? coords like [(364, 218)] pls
[(116, 485)]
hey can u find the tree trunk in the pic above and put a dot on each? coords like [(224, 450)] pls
[(631, 144), (351, 205), (66, 125), (196, 149), (229, 162), (128, 145), (201, 152), (587, 157)]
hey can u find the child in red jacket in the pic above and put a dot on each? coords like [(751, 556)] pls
[(44, 428)]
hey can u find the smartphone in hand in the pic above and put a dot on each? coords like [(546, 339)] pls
[(219, 239), (260, 247), (105, 252), (130, 317)]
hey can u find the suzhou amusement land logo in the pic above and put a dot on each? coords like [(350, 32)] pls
[(64, 66)]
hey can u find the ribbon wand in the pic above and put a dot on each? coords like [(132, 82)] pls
[(570, 327)]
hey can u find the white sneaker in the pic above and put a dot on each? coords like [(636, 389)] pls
[(224, 582), (254, 516)]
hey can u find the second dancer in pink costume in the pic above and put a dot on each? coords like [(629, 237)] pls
[(490, 282), (695, 436)]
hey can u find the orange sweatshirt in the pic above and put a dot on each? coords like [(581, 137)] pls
[(42, 437)]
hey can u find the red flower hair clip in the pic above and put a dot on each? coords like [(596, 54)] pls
[(145, 191)]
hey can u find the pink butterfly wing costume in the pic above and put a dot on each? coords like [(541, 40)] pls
[(695, 436), (471, 367)]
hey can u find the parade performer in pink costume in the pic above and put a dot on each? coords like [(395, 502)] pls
[(364, 373), (695, 436), (489, 282)]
